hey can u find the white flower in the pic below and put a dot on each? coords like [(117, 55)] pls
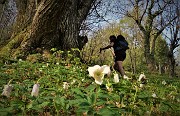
[(154, 95), (141, 85), (164, 82), (57, 63), (35, 90), (7, 90), (126, 77), (141, 77), (116, 78), (106, 69), (98, 72), (20, 60), (65, 85), (73, 81), (109, 88)]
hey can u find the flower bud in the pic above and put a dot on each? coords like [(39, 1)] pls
[(35, 90), (7, 90)]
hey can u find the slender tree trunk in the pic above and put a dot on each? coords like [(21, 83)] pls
[(160, 69), (131, 59), (171, 63)]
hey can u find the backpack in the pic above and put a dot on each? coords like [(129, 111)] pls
[(121, 45)]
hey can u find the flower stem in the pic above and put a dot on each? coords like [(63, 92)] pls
[(10, 81)]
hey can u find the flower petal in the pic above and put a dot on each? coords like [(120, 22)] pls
[(7, 90), (99, 79), (142, 76), (93, 69), (35, 90), (106, 69), (126, 77), (116, 78), (141, 85), (154, 95), (65, 85)]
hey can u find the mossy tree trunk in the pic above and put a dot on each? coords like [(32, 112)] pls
[(46, 24)]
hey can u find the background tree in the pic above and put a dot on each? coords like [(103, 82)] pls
[(174, 39), (161, 52), (145, 14)]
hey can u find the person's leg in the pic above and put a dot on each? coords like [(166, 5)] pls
[(116, 66), (120, 68)]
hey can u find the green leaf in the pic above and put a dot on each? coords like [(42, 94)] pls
[(28, 106), (93, 98), (105, 112), (83, 104), (78, 92), (43, 104)]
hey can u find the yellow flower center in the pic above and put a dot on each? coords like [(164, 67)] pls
[(98, 73)]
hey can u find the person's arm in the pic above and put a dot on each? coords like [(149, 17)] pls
[(107, 47)]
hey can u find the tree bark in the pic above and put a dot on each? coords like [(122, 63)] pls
[(50, 23)]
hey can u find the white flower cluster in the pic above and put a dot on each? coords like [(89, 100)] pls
[(35, 90)]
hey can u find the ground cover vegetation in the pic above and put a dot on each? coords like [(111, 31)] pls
[(65, 88)]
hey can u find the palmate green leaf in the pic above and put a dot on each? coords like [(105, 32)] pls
[(106, 112), (17, 104), (75, 102), (60, 101), (90, 88), (43, 104), (78, 92), (84, 107), (81, 110), (85, 104), (104, 95), (144, 94), (8, 109), (29, 106), (93, 98), (100, 102)]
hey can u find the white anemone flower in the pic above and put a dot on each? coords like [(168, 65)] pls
[(116, 78), (154, 95), (65, 85), (106, 69), (74, 81), (109, 88), (7, 90), (35, 90), (126, 77), (98, 72), (164, 82), (141, 85), (141, 77)]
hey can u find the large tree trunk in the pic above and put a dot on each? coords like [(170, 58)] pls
[(48, 23)]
